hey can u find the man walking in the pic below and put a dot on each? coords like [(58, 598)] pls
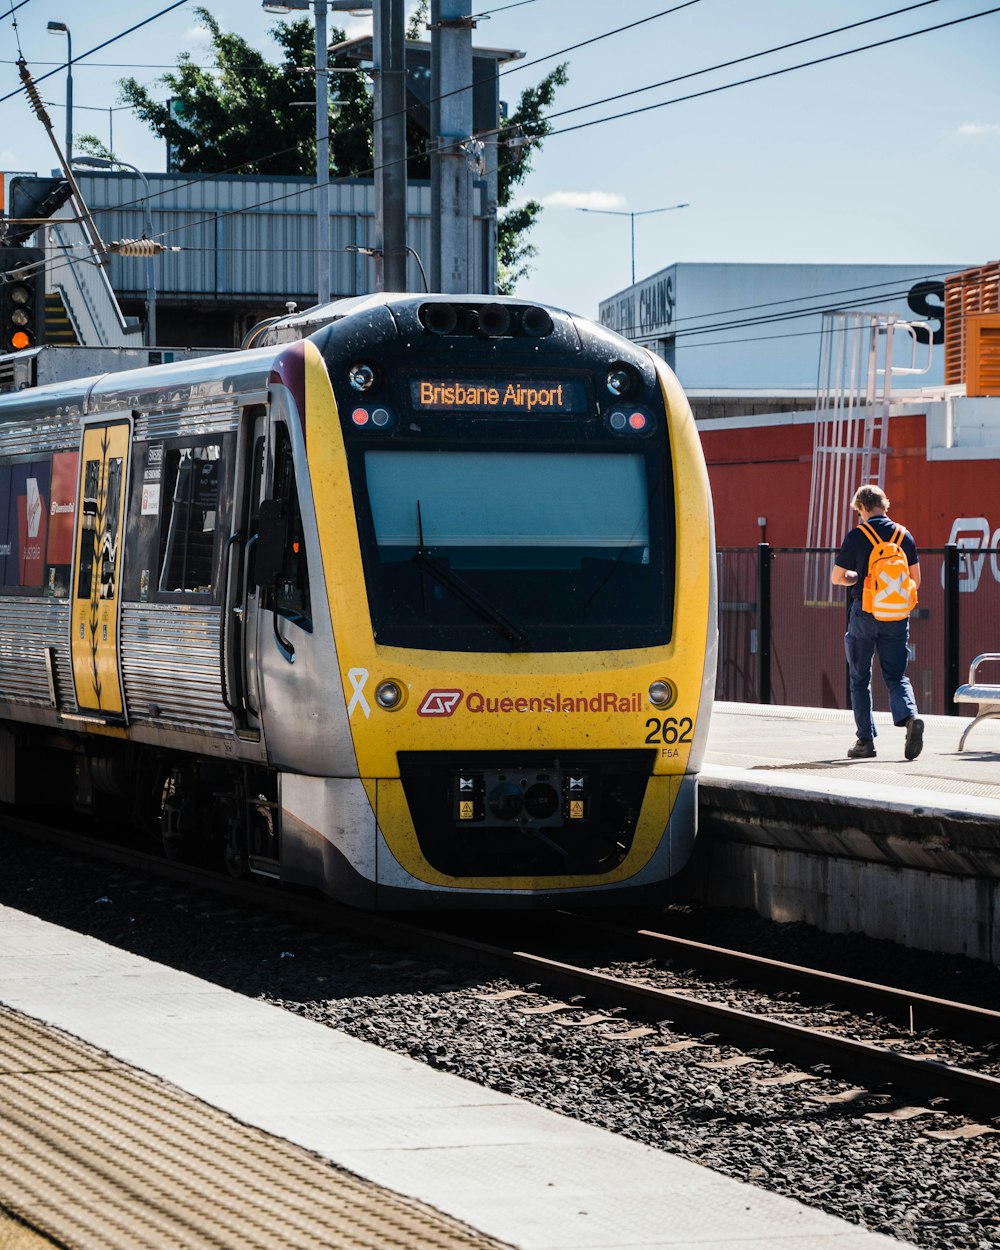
[(866, 634)]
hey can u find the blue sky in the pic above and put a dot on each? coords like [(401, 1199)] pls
[(890, 155)]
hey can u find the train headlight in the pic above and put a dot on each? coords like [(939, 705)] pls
[(662, 694), (390, 695), (620, 380), (361, 377)]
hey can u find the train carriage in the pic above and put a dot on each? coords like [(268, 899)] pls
[(414, 605)]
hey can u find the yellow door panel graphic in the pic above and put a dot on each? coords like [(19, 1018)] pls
[(97, 569)]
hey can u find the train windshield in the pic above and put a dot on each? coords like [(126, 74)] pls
[(507, 550)]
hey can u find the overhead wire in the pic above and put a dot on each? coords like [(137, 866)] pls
[(548, 56), (14, 8), (522, 65), (617, 30), (776, 73), (847, 290), (114, 39), (752, 56)]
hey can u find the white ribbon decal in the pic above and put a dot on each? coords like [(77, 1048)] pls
[(357, 677)]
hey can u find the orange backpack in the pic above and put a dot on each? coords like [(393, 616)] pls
[(889, 593)]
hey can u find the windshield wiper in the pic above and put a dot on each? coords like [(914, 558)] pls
[(471, 598), (467, 594)]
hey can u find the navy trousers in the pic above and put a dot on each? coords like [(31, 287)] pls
[(865, 635)]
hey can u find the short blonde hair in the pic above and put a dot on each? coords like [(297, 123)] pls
[(870, 497)]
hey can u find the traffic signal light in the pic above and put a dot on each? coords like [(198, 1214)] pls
[(22, 298)]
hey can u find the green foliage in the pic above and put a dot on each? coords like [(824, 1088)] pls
[(253, 116), (94, 147), (242, 116), (416, 27), (514, 164)]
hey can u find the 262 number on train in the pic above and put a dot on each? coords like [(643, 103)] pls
[(669, 730)]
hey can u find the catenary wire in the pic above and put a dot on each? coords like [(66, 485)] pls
[(114, 39), (14, 8), (752, 56), (847, 290), (523, 65), (518, 4), (548, 56), (775, 73), (308, 189)]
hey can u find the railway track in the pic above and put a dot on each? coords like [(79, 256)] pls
[(692, 1008)]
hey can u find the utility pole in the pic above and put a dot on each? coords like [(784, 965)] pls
[(322, 157), (452, 266), (389, 33)]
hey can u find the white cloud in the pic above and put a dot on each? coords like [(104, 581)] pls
[(584, 199), (979, 128), (197, 34)]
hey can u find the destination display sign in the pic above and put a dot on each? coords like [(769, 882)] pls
[(516, 395)]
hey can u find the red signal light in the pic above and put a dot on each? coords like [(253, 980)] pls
[(360, 416), (637, 420)]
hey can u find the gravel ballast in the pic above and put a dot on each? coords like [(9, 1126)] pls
[(757, 1121)]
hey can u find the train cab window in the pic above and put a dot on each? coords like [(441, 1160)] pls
[(291, 593), (187, 551)]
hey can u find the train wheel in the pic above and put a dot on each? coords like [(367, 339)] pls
[(175, 816), (234, 852)]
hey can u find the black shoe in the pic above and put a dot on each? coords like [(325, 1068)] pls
[(864, 749), (914, 738)]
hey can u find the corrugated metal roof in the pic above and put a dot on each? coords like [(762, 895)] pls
[(249, 236)]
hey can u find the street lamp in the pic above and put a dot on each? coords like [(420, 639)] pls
[(99, 162), (616, 212), (60, 28)]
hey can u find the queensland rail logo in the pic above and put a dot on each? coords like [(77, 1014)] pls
[(439, 702)]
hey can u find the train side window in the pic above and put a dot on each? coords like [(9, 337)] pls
[(187, 550), (291, 592)]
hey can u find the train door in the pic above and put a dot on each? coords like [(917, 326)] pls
[(241, 604), (97, 568)]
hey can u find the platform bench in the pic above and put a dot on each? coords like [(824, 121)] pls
[(984, 694)]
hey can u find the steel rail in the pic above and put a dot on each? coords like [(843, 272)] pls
[(978, 1092), (908, 1008)]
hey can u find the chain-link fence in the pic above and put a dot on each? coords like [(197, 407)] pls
[(781, 643)]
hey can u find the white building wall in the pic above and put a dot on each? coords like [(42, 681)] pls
[(740, 328)]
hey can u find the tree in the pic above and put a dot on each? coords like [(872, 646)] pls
[(519, 137), (241, 117)]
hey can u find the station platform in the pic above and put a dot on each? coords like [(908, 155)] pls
[(902, 850), (142, 1108), (790, 763), (811, 743)]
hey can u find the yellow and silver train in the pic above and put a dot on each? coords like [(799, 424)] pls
[(414, 605)]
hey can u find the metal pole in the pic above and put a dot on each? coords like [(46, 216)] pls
[(632, 220), (451, 126), (389, 30), (322, 157), (150, 266), (952, 627), (69, 96), (763, 623), (150, 272)]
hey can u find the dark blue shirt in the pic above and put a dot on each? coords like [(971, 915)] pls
[(856, 549)]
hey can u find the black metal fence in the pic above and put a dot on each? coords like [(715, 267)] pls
[(781, 626)]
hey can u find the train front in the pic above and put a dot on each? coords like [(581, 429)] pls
[(516, 533)]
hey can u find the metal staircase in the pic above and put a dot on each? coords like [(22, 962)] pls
[(851, 434), (59, 328)]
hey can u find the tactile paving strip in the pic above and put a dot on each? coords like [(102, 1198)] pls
[(100, 1156)]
